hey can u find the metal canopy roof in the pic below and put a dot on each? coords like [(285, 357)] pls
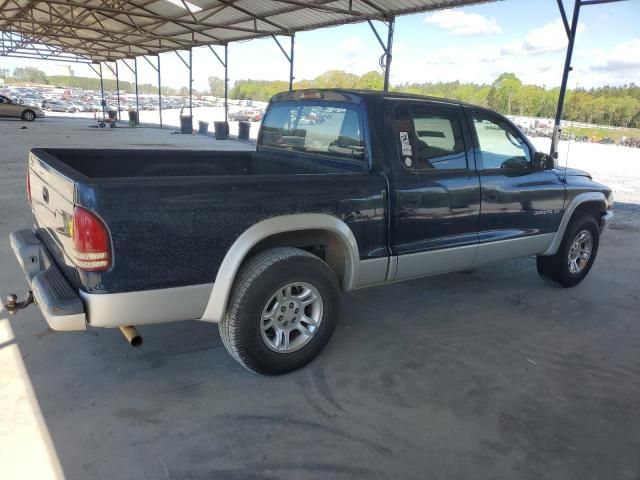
[(100, 30)]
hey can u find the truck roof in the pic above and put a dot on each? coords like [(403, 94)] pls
[(356, 95)]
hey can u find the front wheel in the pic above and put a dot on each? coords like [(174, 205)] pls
[(283, 311), (577, 252), (28, 115)]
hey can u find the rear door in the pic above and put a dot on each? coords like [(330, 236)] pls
[(437, 191), (522, 206)]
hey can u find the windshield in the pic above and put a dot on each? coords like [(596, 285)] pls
[(314, 127)]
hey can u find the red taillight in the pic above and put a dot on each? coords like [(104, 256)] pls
[(29, 184), (91, 247)]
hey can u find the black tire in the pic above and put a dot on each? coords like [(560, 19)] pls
[(258, 279), (556, 267), (28, 116)]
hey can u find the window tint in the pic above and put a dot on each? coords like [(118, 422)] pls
[(500, 145), (430, 139), (314, 128)]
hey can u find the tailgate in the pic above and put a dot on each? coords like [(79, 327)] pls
[(52, 200)]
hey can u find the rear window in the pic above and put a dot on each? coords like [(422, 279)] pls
[(430, 138), (314, 128)]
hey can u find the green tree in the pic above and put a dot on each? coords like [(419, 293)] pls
[(30, 75), (504, 93), (216, 86), (371, 81)]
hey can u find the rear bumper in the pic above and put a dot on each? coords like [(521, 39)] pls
[(66, 308), (59, 303)]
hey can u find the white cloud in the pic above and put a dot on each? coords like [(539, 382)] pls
[(623, 57), (550, 37), (352, 46), (461, 23), (464, 55), (588, 52)]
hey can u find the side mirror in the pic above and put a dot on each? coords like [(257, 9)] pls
[(542, 161)]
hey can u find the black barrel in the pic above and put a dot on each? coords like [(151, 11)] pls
[(222, 130), (243, 130), (133, 117), (186, 124), (203, 127)]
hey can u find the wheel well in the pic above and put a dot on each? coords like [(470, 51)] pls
[(323, 244), (592, 208)]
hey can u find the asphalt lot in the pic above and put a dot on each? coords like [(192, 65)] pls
[(491, 373)]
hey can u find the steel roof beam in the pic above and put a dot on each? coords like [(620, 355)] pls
[(122, 40), (262, 18), (327, 8), (146, 13)]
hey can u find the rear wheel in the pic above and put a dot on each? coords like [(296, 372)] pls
[(283, 311), (576, 254), (28, 115)]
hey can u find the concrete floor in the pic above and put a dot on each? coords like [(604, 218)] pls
[(485, 374)]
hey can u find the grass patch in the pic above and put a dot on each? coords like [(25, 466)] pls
[(599, 133)]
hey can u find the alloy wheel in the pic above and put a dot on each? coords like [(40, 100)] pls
[(580, 252), (291, 317)]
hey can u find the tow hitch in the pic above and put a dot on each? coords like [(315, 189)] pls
[(13, 305)]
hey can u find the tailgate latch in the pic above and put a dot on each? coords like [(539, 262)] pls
[(13, 305)]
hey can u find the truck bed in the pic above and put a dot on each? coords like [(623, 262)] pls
[(118, 163), (172, 215)]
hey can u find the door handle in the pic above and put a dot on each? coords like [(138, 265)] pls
[(461, 208), (491, 196), (410, 201)]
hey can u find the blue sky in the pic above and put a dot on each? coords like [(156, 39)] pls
[(474, 43)]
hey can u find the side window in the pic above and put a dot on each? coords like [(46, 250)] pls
[(3, 99), (500, 145), (314, 128), (429, 139)]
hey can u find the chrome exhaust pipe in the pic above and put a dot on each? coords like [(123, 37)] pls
[(131, 335)]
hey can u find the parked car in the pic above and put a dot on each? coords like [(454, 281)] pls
[(59, 106), (9, 108), (92, 107), (80, 107), (245, 116), (390, 187)]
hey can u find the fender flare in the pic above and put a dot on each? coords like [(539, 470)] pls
[(217, 304), (568, 213)]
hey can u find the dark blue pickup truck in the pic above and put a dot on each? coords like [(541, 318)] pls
[(346, 189)]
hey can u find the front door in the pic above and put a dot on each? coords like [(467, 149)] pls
[(5, 107), (522, 205), (437, 191)]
